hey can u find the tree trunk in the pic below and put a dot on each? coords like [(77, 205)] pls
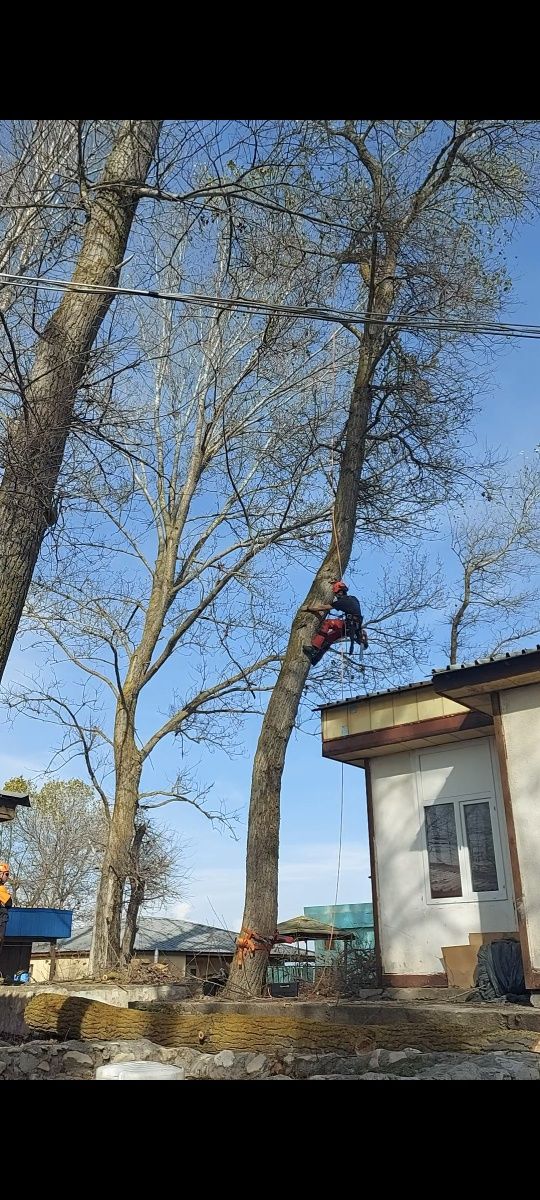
[(212, 1027), (106, 951), (248, 970), (128, 762), (136, 898), (36, 438)]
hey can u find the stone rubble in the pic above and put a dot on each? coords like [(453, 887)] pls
[(78, 1060)]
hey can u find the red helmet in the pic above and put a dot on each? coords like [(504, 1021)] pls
[(339, 586)]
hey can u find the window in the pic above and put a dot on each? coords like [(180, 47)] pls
[(463, 850), (481, 848), (443, 853)]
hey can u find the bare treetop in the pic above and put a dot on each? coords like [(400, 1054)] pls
[(498, 547)]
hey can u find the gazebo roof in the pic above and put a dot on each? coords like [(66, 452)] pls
[(308, 929)]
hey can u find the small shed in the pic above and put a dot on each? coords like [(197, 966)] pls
[(452, 771), (26, 926)]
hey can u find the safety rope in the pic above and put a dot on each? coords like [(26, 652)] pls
[(342, 649), (336, 539), (334, 528), (340, 845)]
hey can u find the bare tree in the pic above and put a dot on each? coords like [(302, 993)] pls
[(55, 850), (40, 203), (35, 438), (411, 200), (158, 874), (187, 523), (54, 847), (390, 218), (69, 192), (497, 545)]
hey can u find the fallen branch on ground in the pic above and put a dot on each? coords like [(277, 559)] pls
[(424, 1027)]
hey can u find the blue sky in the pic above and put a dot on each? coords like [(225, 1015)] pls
[(312, 787)]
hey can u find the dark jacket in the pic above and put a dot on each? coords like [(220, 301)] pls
[(350, 606)]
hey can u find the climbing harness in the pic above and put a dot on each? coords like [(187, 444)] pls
[(336, 629)]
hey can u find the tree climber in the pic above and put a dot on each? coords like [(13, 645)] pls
[(335, 629)]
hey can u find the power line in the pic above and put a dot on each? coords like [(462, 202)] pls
[(270, 308)]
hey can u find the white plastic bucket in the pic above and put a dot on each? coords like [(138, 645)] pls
[(139, 1070)]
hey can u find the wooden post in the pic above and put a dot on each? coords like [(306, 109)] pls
[(52, 965), (373, 877)]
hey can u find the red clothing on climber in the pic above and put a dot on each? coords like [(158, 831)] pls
[(336, 629), (330, 631)]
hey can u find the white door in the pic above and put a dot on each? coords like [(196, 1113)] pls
[(464, 839)]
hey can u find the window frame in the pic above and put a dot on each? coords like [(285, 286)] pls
[(468, 896), (440, 899)]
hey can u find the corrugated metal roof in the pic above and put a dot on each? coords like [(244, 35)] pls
[(422, 683), (391, 691), (160, 933), (480, 662), (165, 935), (39, 923)]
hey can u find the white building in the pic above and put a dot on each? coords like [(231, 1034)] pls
[(452, 771)]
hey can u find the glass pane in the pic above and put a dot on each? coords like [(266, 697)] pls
[(481, 848), (442, 844)]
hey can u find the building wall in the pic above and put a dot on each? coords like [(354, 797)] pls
[(175, 962), (203, 966), (355, 918), (78, 967), (413, 927), (180, 965), (66, 968), (520, 716)]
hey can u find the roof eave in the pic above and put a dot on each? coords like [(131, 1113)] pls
[(480, 677), (391, 691)]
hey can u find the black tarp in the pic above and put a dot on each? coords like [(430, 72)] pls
[(499, 974)]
